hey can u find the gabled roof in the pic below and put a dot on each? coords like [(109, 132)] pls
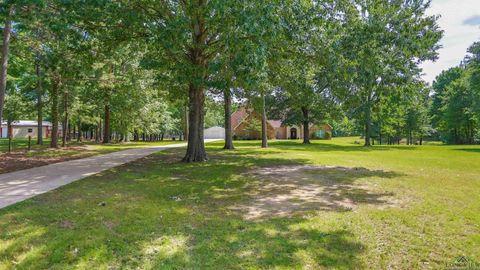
[(27, 123), (238, 117), (275, 123)]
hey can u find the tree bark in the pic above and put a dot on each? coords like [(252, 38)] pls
[(54, 111), (65, 119), (79, 136), (106, 125), (39, 93), (196, 146), (227, 96), (4, 61), (196, 94), (306, 129), (186, 127), (264, 124), (99, 134), (368, 120)]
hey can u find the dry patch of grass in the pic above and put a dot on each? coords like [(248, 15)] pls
[(287, 190)]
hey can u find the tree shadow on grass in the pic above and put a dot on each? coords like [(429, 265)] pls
[(288, 190), (471, 150), (323, 146), (158, 213)]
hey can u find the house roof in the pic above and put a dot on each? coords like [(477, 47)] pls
[(275, 123), (238, 117), (27, 123)]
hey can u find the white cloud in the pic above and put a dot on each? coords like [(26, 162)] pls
[(461, 30)]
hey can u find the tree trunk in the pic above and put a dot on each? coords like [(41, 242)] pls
[(3, 69), (196, 94), (264, 124), (196, 146), (99, 134), (227, 96), (39, 93), (79, 137), (54, 111), (368, 120), (186, 127), (106, 125), (65, 119), (306, 129)]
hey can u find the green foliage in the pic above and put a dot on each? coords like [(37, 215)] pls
[(455, 107), (383, 44), (253, 127), (214, 113), (17, 107)]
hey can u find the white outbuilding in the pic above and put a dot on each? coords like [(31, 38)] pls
[(214, 133), (26, 128)]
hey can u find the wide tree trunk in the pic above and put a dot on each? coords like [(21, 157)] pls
[(4, 61), (39, 93), (65, 119), (196, 146), (227, 96), (54, 111), (306, 128), (106, 125), (196, 93), (264, 124)]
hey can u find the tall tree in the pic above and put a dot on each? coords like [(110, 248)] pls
[(7, 32), (383, 44)]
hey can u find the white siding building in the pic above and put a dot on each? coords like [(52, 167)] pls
[(214, 133), (25, 128)]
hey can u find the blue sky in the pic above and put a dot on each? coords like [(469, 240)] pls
[(460, 19)]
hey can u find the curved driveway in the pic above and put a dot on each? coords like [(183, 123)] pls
[(20, 185)]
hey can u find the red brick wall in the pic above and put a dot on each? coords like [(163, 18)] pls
[(242, 133)]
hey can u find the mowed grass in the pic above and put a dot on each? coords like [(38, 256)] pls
[(415, 207)]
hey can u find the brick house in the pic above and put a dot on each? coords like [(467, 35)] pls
[(246, 124)]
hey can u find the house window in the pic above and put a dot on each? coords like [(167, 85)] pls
[(30, 130)]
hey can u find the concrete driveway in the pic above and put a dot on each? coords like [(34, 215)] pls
[(20, 185)]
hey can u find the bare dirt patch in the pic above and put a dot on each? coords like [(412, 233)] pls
[(287, 190), (20, 160)]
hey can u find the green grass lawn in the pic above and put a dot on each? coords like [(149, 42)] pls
[(384, 207)]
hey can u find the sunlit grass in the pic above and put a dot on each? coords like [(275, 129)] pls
[(158, 213)]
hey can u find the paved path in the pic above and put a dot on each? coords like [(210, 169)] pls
[(20, 185)]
